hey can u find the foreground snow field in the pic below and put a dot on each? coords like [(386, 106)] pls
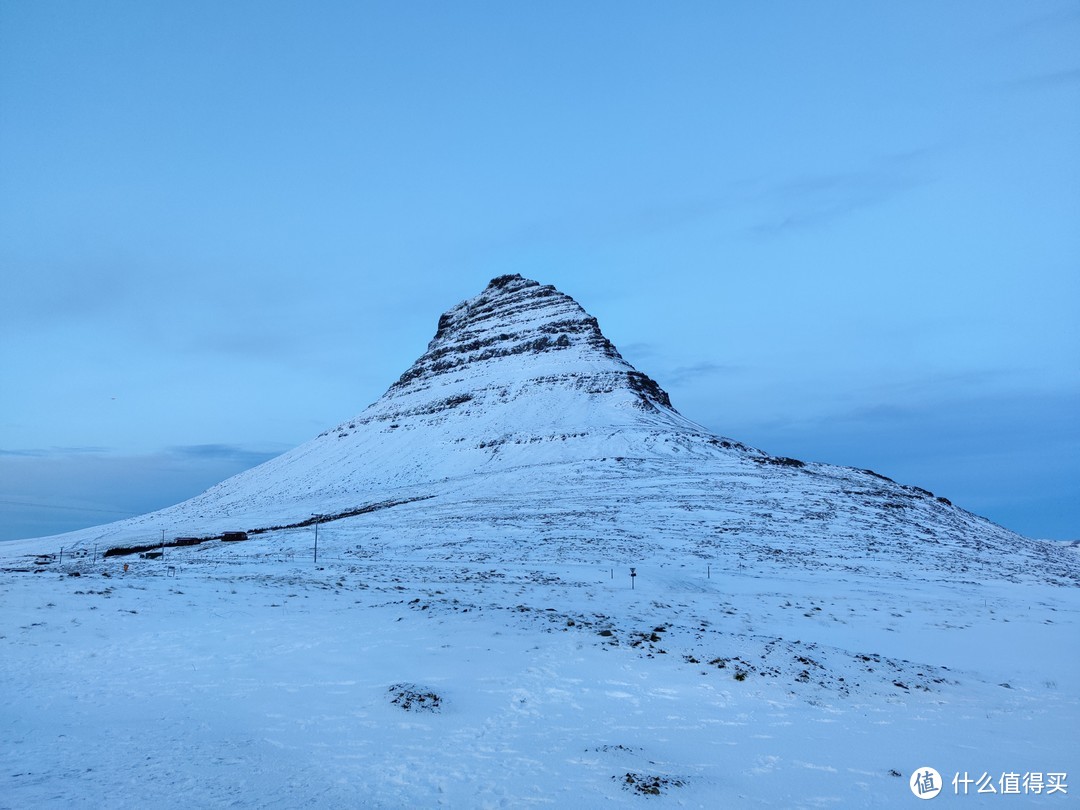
[(247, 675)]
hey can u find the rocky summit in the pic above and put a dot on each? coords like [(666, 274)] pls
[(517, 317)]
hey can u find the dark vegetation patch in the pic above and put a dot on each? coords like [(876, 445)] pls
[(879, 475), (119, 551), (454, 401), (728, 444), (779, 461)]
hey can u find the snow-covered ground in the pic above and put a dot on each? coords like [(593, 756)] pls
[(248, 675)]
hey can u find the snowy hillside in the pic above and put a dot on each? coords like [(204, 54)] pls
[(796, 635)]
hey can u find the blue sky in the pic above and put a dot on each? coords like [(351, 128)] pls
[(845, 232)]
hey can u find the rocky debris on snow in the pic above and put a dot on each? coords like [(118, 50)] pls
[(648, 785), (413, 698)]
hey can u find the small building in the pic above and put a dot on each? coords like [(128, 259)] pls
[(234, 537)]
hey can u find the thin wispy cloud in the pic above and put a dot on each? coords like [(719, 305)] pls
[(604, 225), (1070, 77), (46, 452), (258, 343), (681, 375), (638, 351), (47, 490), (1053, 20), (821, 199), (64, 290), (221, 452)]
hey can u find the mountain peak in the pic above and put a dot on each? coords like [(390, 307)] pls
[(515, 327)]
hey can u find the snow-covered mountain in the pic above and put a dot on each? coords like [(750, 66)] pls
[(522, 417), (533, 581)]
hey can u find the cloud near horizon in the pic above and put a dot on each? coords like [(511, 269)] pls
[(957, 447), (52, 491)]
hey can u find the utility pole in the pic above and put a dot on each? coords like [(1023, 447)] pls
[(317, 537)]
